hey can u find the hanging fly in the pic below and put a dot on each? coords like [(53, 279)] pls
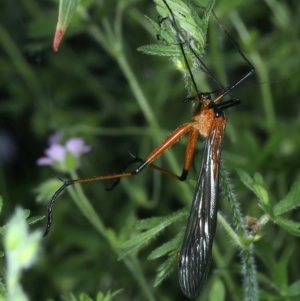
[(208, 121)]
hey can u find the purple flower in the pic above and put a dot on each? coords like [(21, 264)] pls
[(57, 154), (76, 146)]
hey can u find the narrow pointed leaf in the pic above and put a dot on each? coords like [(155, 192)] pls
[(261, 192), (289, 225), (2, 229), (84, 297), (134, 248), (161, 50), (164, 270), (170, 246), (111, 295), (155, 226), (258, 178), (66, 11), (294, 289), (151, 222), (245, 178), (280, 275), (26, 213), (34, 219), (290, 202), (255, 185)]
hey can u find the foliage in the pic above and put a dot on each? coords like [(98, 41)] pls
[(21, 248), (100, 297), (100, 88)]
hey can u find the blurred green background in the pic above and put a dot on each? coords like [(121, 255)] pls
[(120, 100)]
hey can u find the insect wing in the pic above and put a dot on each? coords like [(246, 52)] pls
[(195, 254)]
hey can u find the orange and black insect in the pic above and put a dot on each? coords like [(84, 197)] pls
[(195, 254), (208, 121)]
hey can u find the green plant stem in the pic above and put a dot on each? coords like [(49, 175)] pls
[(250, 275), (88, 211), (250, 283)]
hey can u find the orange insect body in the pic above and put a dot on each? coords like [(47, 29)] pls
[(205, 118)]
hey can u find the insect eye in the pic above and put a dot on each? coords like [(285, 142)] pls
[(218, 113), (205, 95)]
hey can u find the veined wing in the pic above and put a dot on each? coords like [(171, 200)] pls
[(195, 254)]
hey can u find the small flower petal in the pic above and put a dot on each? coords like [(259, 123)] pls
[(64, 157), (76, 146), (56, 152), (44, 161)]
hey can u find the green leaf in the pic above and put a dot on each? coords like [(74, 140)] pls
[(34, 219), (154, 24), (290, 202), (181, 26), (46, 190), (151, 222), (294, 289), (289, 225), (187, 20), (255, 185), (85, 297), (164, 270), (161, 50), (261, 192), (100, 296), (258, 178), (107, 297), (110, 295), (29, 221), (217, 291), (170, 246), (2, 229), (245, 178), (155, 226), (1, 253), (2, 292), (280, 274), (67, 8), (26, 213)]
